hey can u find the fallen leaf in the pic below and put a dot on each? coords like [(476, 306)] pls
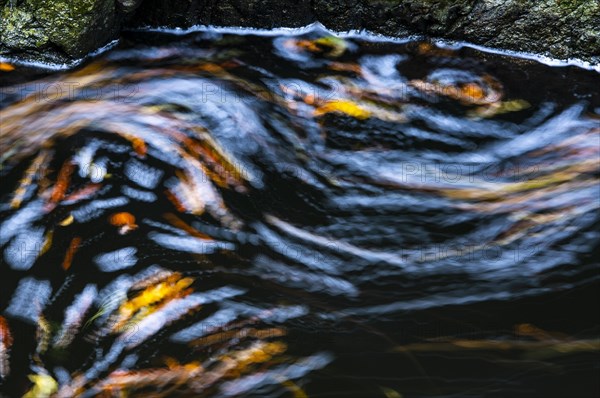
[(343, 106), (4, 67)]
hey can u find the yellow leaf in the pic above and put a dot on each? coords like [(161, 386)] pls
[(43, 386), (337, 45), (67, 221), (47, 242), (147, 301), (330, 45), (499, 108), (389, 393), (343, 106), (295, 389)]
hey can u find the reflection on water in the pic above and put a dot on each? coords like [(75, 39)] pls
[(300, 215)]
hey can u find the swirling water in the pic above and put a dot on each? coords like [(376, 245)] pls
[(221, 214)]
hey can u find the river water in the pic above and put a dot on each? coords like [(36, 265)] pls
[(225, 214)]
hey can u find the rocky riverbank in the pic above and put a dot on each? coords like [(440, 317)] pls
[(64, 30)]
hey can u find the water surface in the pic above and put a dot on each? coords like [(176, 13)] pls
[(221, 214)]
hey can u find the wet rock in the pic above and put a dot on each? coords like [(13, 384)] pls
[(558, 28), (60, 30), (248, 13), (19, 30), (76, 27), (561, 28), (71, 28), (128, 6)]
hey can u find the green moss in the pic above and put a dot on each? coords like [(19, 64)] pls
[(19, 29), (76, 26), (570, 4)]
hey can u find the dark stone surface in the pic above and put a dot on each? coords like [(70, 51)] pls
[(67, 29), (57, 30), (558, 28)]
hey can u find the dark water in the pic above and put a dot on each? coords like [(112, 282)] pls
[(222, 215)]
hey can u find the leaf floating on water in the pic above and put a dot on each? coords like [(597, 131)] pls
[(186, 195), (5, 67), (43, 334), (295, 45), (295, 389), (473, 91), (30, 175), (500, 108), (211, 68), (337, 45), (530, 349), (217, 163), (43, 386), (67, 221), (259, 352), (47, 242), (527, 329), (343, 106), (231, 335), (84, 193), (486, 91), (175, 375), (345, 67), (192, 378), (390, 393), (174, 199), (137, 143), (330, 45), (62, 183), (75, 242), (146, 302), (360, 111), (125, 221)]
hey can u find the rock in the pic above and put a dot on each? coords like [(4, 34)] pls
[(69, 29), (249, 13), (76, 27), (558, 28), (56, 30), (19, 30), (128, 6)]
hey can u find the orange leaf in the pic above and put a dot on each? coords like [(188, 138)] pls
[(71, 252), (4, 67)]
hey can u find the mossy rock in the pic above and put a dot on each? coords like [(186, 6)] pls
[(19, 29), (76, 26), (73, 28)]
